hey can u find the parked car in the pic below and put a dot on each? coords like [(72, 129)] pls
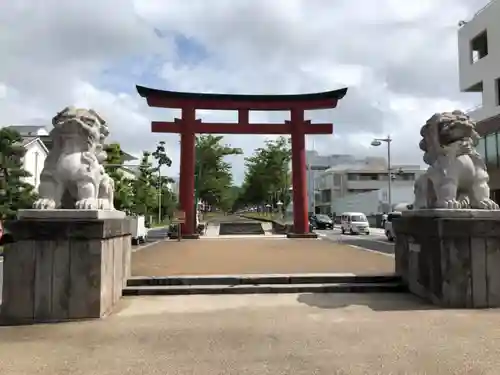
[(321, 221), (138, 229), (389, 230), (354, 223)]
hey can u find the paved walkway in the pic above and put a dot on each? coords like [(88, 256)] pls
[(303, 334), (256, 255)]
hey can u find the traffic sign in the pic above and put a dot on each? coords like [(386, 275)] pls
[(179, 217)]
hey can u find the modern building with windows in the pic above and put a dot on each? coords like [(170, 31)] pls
[(363, 187), (317, 164), (479, 71)]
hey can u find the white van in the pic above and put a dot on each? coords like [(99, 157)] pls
[(138, 229), (354, 223)]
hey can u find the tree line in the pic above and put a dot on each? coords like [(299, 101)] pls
[(267, 177)]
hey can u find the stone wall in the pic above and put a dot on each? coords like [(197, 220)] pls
[(65, 269), (450, 257)]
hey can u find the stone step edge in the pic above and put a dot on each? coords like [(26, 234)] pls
[(266, 289), (253, 279)]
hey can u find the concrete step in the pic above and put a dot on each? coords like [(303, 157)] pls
[(308, 278), (162, 290), (241, 228)]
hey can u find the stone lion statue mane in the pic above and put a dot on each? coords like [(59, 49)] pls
[(457, 176), (73, 175)]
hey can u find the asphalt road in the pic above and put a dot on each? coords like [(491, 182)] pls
[(376, 240)]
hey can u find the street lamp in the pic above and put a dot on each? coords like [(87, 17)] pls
[(268, 206), (280, 205), (378, 142)]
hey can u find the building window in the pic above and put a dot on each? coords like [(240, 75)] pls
[(479, 47), (497, 89), (492, 150), (352, 176), (337, 180), (368, 176)]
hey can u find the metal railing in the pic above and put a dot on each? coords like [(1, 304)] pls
[(484, 8), (470, 110), (463, 22)]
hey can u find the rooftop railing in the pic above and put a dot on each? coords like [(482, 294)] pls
[(470, 110), (484, 8), (462, 23)]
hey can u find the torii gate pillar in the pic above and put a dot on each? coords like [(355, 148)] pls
[(187, 171), (300, 219)]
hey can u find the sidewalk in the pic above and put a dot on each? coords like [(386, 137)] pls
[(299, 334)]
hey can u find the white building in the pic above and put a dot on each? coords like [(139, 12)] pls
[(34, 159), (479, 71), (479, 59), (36, 151), (317, 164), (363, 187)]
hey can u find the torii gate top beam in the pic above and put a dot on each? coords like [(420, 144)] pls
[(174, 99)]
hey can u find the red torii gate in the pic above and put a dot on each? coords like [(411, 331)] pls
[(188, 126)]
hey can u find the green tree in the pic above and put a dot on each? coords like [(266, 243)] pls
[(267, 175), (15, 194), (143, 187), (123, 197), (213, 175), (167, 199)]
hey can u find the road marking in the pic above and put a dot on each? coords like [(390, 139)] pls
[(373, 240), (371, 251), (144, 246)]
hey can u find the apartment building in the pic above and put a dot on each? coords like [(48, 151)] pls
[(317, 164), (479, 72), (348, 186)]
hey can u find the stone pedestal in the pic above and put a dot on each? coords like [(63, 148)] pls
[(65, 265), (450, 257)]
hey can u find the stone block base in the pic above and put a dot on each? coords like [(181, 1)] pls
[(65, 268), (302, 235), (450, 257)]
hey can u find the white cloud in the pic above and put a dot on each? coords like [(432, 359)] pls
[(399, 60)]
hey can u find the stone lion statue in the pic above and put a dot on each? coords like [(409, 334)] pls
[(73, 175), (457, 176)]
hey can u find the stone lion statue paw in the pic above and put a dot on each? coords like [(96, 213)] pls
[(44, 204), (87, 204), (464, 203), (488, 204), (452, 204)]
